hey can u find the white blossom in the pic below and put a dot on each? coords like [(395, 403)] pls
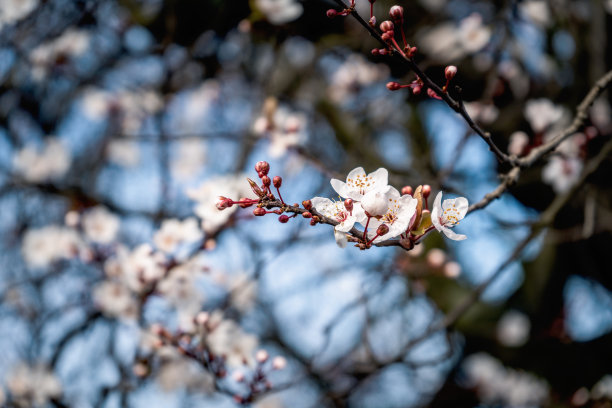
[(358, 183), (114, 299), (542, 113), (125, 153), (603, 388), (174, 232), (280, 11), (138, 268), (285, 129), (33, 385), (513, 329), (100, 225), (43, 246), (562, 173), (397, 215), (446, 215), (50, 163), (229, 340), (190, 158), (338, 212), (518, 142), (14, 10)]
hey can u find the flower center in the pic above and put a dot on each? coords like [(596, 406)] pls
[(450, 216), (361, 182)]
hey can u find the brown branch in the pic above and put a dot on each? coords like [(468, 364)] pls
[(508, 180)]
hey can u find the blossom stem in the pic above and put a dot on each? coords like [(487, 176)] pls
[(365, 232), (397, 47), (280, 196)]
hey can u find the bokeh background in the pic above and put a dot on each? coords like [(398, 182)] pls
[(122, 121)]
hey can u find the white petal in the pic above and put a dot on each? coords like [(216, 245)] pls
[(341, 188), (356, 171), (321, 204), (435, 212), (341, 239), (346, 225), (452, 235), (375, 203), (462, 206), (380, 178)]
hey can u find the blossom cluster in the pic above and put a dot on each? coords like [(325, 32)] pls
[(367, 199)]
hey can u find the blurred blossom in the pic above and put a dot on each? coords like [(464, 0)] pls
[(137, 269), (173, 232), (518, 142), (14, 10), (71, 43), (542, 113), (125, 153), (452, 269), (353, 74), (180, 290), (96, 103), (537, 11), (280, 11), (513, 329), (485, 113), (603, 388), (562, 173), (448, 42), (436, 258), (207, 196), (601, 114), (43, 246), (31, 386), (100, 225), (189, 158), (178, 372), (228, 339), (284, 128), (496, 383), (50, 163), (299, 52), (115, 300), (243, 291)]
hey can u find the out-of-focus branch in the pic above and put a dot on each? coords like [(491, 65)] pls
[(508, 180)]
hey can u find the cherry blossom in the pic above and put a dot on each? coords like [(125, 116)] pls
[(358, 184), (33, 385), (100, 225), (36, 165), (280, 11), (173, 232), (399, 212), (562, 173), (447, 214), (336, 210)]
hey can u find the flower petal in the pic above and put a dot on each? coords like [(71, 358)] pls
[(341, 239), (452, 235), (435, 212), (380, 178)]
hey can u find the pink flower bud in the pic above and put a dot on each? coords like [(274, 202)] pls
[(388, 35), (261, 356), (375, 51), (279, 362), (348, 204), (372, 21), (283, 218), (259, 212), (223, 203), (407, 190), (277, 181), (432, 94), (383, 51), (393, 86), (266, 181), (331, 13), (426, 190), (307, 204), (238, 376), (262, 167), (202, 318), (450, 72), (306, 214), (245, 204), (382, 230), (397, 13), (386, 26)]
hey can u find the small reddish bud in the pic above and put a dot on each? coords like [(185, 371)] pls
[(382, 230), (277, 181), (266, 181), (372, 21), (279, 362), (388, 36), (307, 204), (223, 203), (412, 52), (261, 356), (386, 26), (375, 51), (313, 222), (259, 212), (407, 190), (331, 13), (426, 190), (393, 86), (432, 94), (307, 214), (283, 219), (262, 167), (383, 51), (348, 204), (397, 13), (247, 204), (450, 72)]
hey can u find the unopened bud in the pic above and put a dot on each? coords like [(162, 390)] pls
[(386, 26), (375, 51), (432, 94), (262, 167), (266, 181), (382, 230), (283, 218), (406, 190), (259, 212), (238, 376), (450, 72), (307, 214), (373, 21), (256, 188), (261, 356), (277, 181), (202, 318), (307, 204), (348, 204), (388, 35), (279, 362), (245, 204), (331, 13), (426, 190), (383, 51), (313, 222), (393, 86), (223, 203), (397, 13)]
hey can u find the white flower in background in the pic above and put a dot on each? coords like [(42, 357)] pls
[(603, 388), (95, 103), (207, 197), (43, 246), (536, 11), (518, 142), (397, 216), (135, 107), (358, 184), (174, 232), (562, 173), (189, 159), (12, 11), (341, 238), (285, 129), (31, 386), (243, 291), (445, 215), (125, 153), (485, 113), (337, 211), (353, 74), (180, 290), (472, 34), (179, 372), (39, 166), (496, 383), (513, 329), (72, 43), (115, 300), (542, 113), (229, 340), (138, 268), (280, 11), (100, 225)]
